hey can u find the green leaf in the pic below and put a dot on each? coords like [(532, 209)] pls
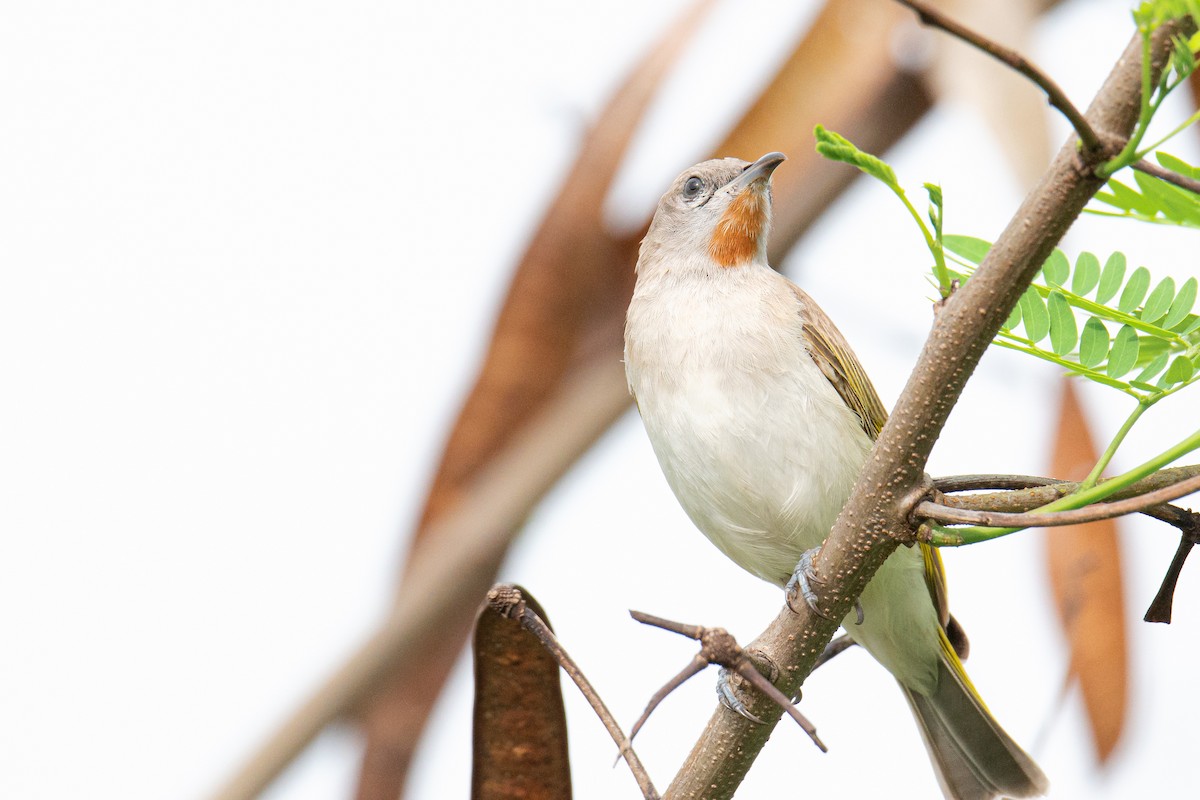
[(1093, 342), (1159, 301), (1174, 203), (1057, 268), (967, 247), (1111, 278), (1127, 199), (1149, 346), (1014, 318), (1190, 323), (1174, 164), (1135, 290), (836, 147), (1153, 368), (1064, 332), (1087, 273), (1124, 352), (1180, 370), (1035, 316), (1182, 304)]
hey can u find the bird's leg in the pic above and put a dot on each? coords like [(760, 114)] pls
[(801, 582)]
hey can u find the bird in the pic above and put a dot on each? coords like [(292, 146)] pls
[(761, 418)]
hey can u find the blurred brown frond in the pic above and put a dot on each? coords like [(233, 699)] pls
[(1084, 563)]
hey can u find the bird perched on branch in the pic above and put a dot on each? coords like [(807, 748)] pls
[(762, 417)]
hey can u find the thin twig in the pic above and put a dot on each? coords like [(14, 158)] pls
[(1154, 170), (508, 600), (1027, 492), (1014, 60), (945, 514), (717, 646), (697, 665)]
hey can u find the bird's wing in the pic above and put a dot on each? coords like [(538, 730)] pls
[(837, 362), (832, 354)]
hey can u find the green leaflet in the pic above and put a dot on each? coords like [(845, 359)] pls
[(1087, 273), (1057, 268), (1135, 290), (1093, 342), (969, 248), (1156, 365), (836, 147), (1124, 352), (1180, 370), (1168, 161), (1181, 306), (1063, 331), (1159, 301), (1034, 315), (1111, 278)]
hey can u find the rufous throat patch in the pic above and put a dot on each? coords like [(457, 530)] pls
[(735, 241)]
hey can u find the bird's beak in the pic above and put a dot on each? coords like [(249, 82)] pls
[(757, 173)]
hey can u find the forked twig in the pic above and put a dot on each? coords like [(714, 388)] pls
[(717, 646), (1014, 60), (508, 600)]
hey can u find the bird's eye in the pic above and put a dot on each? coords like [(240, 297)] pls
[(692, 188)]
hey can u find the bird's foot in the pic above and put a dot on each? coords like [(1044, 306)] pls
[(729, 697), (801, 583)]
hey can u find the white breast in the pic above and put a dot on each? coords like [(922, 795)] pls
[(756, 444)]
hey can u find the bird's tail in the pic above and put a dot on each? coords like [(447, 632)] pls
[(974, 758)]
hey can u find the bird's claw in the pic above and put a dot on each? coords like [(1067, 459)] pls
[(729, 698), (801, 583)]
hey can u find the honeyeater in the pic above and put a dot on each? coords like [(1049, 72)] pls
[(761, 418)]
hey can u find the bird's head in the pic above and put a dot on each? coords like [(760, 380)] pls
[(720, 209)]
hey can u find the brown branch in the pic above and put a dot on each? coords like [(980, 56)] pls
[(508, 600), (873, 521), (1014, 60), (956, 515), (717, 646), (1154, 170)]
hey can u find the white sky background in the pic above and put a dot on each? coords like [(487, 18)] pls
[(249, 255)]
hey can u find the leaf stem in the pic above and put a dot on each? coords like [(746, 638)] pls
[(1111, 450)]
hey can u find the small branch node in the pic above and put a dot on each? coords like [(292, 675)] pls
[(718, 646)]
